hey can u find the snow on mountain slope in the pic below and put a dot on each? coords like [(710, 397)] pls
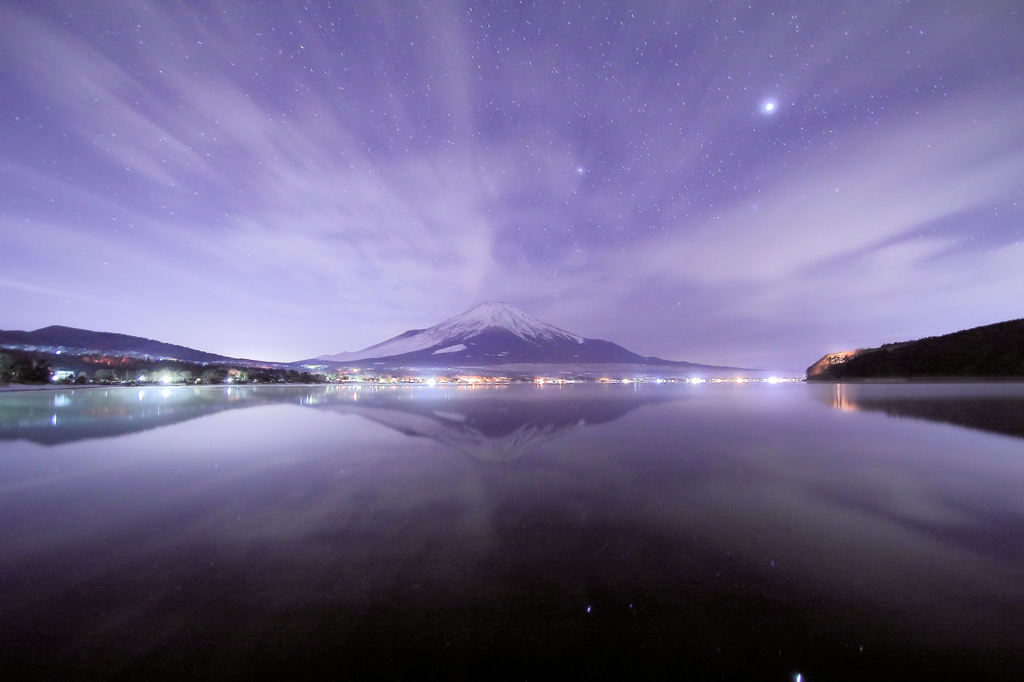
[(451, 349), (504, 316), (456, 330)]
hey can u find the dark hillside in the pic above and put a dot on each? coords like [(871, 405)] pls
[(992, 351)]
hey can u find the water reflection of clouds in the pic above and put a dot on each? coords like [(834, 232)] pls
[(995, 407)]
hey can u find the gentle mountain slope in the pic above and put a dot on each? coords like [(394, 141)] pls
[(992, 351)]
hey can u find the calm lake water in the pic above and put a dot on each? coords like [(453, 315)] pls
[(660, 531)]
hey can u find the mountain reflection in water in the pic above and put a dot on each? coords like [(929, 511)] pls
[(994, 407), (488, 423)]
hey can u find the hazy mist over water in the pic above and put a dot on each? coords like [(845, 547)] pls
[(753, 531)]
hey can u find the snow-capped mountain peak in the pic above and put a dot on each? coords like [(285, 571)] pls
[(493, 334), (452, 332), (503, 316)]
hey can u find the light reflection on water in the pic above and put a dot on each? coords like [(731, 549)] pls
[(996, 407), (725, 530)]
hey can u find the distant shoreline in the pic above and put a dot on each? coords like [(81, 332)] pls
[(18, 388)]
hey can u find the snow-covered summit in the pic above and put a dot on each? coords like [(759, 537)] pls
[(503, 316), (456, 330)]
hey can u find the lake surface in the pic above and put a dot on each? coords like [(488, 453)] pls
[(691, 532)]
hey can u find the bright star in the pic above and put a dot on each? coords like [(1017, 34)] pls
[(769, 106)]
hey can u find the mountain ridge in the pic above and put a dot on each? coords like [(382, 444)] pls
[(487, 336), (74, 339)]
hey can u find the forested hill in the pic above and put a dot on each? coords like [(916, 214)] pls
[(992, 351)]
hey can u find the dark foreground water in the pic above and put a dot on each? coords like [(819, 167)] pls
[(688, 532)]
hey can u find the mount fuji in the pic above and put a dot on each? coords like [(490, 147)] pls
[(492, 334)]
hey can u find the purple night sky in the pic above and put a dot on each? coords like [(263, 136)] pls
[(749, 184)]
